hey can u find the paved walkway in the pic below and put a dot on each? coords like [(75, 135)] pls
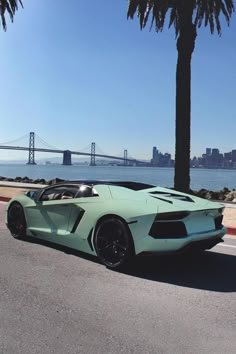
[(10, 189), (230, 219)]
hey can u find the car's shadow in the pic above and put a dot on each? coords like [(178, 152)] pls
[(207, 270), (60, 248)]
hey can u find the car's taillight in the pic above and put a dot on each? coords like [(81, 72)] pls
[(218, 222)]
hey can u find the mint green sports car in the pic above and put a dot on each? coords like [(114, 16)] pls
[(116, 220)]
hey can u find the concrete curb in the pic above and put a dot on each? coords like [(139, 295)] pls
[(4, 199), (230, 230), (21, 185)]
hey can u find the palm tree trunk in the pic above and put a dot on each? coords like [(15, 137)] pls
[(185, 47)]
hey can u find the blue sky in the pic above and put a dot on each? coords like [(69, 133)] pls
[(78, 71)]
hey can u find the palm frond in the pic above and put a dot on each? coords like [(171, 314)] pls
[(132, 8), (174, 20), (9, 6), (144, 12), (156, 10), (210, 11), (160, 9), (211, 22), (204, 11), (217, 20), (139, 7)]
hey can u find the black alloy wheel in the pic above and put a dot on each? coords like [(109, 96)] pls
[(16, 220), (113, 243)]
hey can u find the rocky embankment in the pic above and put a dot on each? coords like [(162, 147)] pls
[(29, 180), (225, 194)]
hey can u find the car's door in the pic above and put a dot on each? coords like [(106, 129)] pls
[(49, 215)]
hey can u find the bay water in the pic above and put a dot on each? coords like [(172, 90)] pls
[(212, 179)]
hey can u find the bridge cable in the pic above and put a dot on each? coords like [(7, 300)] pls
[(45, 143), (16, 140)]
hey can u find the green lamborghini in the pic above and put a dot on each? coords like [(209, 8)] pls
[(116, 220)]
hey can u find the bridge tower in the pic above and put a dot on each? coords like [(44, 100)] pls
[(67, 157), (31, 160), (125, 157), (92, 161)]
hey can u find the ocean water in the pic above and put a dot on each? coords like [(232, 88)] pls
[(213, 179)]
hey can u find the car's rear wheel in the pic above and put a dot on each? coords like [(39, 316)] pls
[(16, 220), (114, 243)]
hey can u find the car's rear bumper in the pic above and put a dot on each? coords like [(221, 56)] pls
[(205, 240)]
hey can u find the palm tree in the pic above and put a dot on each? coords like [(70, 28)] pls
[(9, 6), (186, 16)]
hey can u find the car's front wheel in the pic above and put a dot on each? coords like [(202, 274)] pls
[(16, 220), (113, 243)]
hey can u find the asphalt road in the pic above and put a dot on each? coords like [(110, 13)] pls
[(53, 300)]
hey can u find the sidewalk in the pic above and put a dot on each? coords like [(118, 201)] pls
[(9, 190), (230, 219)]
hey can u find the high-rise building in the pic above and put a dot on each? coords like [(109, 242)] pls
[(234, 155), (215, 152), (228, 156), (208, 151), (155, 156)]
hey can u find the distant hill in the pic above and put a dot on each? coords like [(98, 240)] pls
[(50, 160)]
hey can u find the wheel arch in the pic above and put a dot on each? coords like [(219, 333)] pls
[(13, 202), (15, 234), (114, 253), (16, 202), (108, 216)]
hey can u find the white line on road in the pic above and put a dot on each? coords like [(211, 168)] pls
[(227, 246)]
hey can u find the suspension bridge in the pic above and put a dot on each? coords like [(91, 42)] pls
[(66, 154)]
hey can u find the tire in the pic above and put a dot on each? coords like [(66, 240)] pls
[(16, 221), (113, 243)]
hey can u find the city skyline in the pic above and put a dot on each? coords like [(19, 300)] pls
[(211, 158), (74, 78)]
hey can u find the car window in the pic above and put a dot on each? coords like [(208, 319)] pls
[(85, 191), (59, 192), (68, 192)]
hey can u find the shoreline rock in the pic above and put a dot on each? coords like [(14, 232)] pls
[(224, 195), (30, 180)]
